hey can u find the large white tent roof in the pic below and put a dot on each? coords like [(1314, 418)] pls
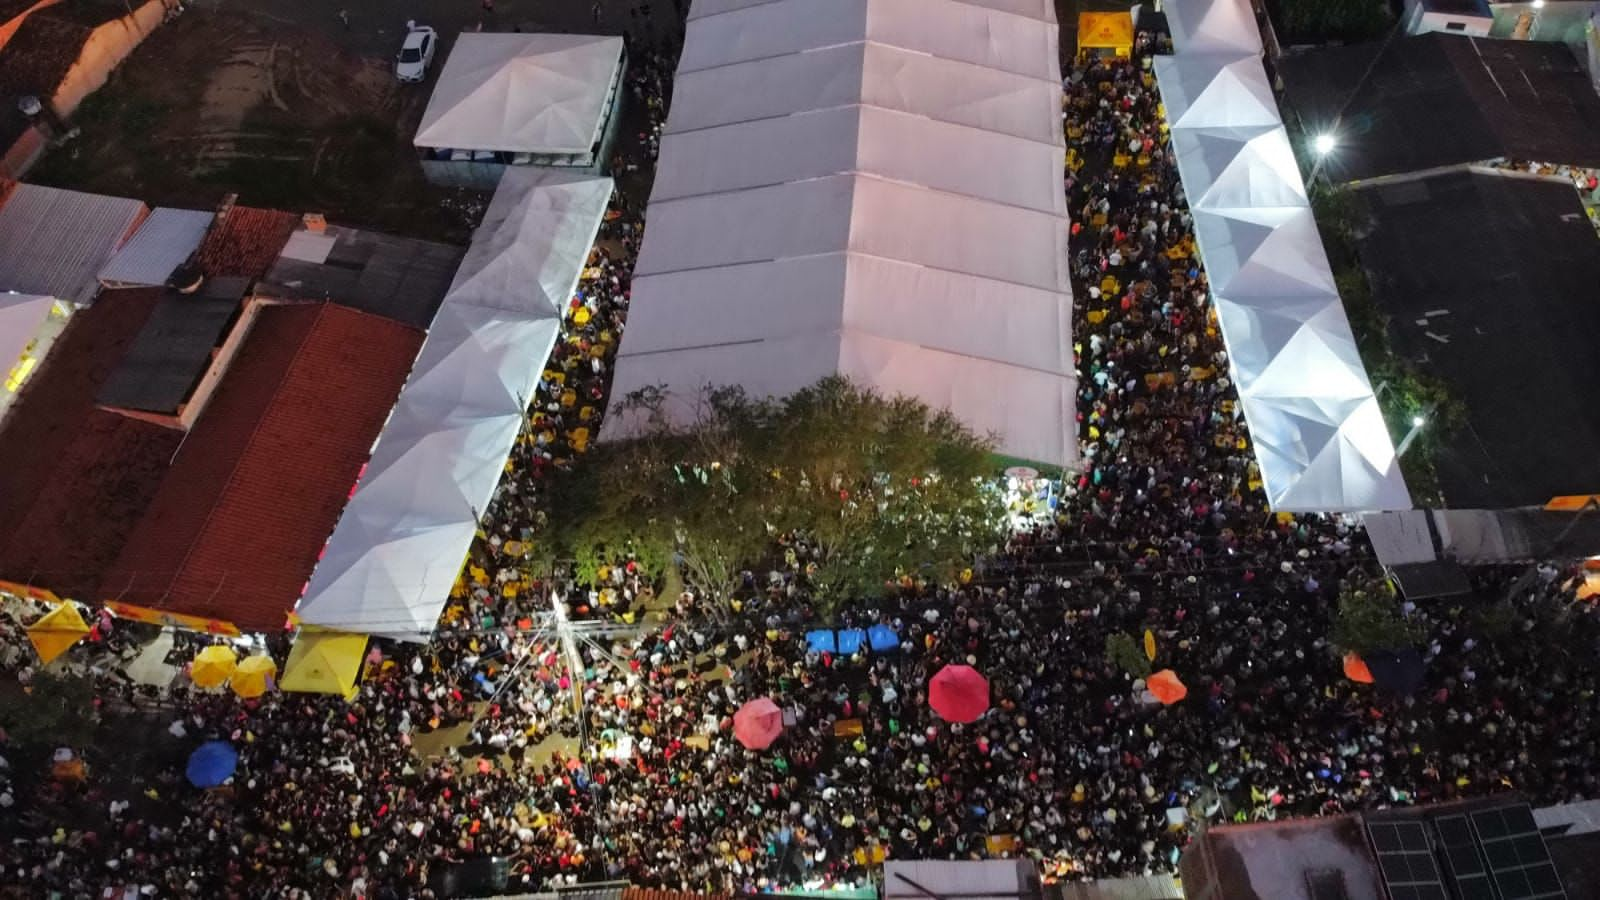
[(395, 554), (522, 93), (865, 187), (1320, 437), (21, 315)]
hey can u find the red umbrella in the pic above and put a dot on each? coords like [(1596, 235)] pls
[(758, 723), (959, 694)]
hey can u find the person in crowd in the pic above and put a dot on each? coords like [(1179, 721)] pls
[(625, 766)]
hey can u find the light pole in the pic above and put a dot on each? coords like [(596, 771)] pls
[(1322, 145), (1418, 422)]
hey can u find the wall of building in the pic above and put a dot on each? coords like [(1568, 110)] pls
[(106, 48)]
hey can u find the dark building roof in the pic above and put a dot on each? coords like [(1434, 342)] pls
[(244, 241), (402, 278), (174, 348), (1511, 265), (261, 480), (1441, 99), (1577, 857), (75, 477)]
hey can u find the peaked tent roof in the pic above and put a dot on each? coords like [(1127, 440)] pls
[(1319, 435), (535, 93), (20, 318), (395, 554), (865, 187)]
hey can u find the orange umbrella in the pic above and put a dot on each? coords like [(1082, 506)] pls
[(1356, 669), (1166, 687)]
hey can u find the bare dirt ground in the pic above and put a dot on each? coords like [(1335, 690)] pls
[(282, 102)]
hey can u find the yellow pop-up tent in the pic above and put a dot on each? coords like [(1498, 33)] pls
[(324, 662), (1105, 32), (56, 631)]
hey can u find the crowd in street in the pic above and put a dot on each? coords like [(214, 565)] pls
[(1165, 530)]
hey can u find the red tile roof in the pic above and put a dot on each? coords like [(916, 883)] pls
[(246, 242), (261, 481), (75, 478)]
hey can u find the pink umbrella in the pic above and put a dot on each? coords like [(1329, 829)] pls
[(959, 694), (758, 723)]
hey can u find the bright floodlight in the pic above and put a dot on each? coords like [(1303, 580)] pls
[(1323, 144), (1537, 4), (1418, 421)]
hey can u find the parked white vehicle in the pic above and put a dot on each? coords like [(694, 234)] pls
[(415, 54)]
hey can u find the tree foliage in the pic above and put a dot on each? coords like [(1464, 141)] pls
[(58, 711), (1369, 620), (1308, 21), (1126, 654), (862, 488)]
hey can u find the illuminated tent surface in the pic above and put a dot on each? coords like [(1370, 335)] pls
[(533, 93), (1320, 438), (869, 188), (396, 552)]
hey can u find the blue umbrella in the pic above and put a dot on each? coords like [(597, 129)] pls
[(212, 764), (882, 638)]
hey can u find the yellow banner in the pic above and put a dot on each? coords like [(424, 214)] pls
[(164, 618), (29, 591)]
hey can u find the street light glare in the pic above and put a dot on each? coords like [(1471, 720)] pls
[(1418, 421), (1323, 144), (1537, 4)]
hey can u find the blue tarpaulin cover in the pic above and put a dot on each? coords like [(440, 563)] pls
[(850, 640), (821, 641), (883, 638)]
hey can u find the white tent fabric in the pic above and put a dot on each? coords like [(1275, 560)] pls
[(1214, 26), (395, 554), (21, 316), (864, 187), (522, 93), (1320, 438)]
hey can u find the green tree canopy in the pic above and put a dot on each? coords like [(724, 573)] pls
[(860, 487), (1369, 620)]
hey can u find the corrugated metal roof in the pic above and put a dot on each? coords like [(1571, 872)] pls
[(54, 241), (159, 247)]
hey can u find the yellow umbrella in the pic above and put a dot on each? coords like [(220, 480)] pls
[(56, 631), (1150, 645), (254, 676), (212, 666)]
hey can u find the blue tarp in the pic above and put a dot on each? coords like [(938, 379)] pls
[(850, 640), (883, 638), (821, 641), (212, 764)]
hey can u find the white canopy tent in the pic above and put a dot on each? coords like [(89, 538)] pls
[(1320, 438), (395, 554), (523, 93), (864, 187), (21, 316)]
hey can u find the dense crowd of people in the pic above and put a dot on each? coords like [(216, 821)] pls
[(1164, 530)]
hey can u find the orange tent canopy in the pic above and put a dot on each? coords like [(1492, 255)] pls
[(1356, 669), (1166, 687), (1105, 31)]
